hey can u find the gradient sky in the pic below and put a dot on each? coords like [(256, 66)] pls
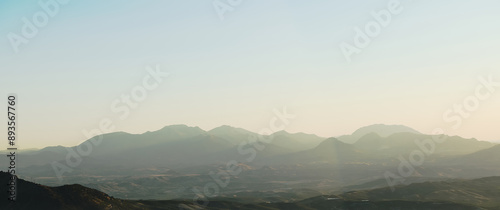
[(266, 54)]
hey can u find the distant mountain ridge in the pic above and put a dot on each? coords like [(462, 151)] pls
[(178, 145), (379, 129)]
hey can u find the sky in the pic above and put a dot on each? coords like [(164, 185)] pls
[(263, 55)]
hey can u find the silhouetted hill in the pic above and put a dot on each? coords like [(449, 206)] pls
[(73, 197), (35, 196)]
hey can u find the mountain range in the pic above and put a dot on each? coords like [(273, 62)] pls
[(287, 167)]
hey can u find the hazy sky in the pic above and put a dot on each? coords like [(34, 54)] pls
[(265, 54)]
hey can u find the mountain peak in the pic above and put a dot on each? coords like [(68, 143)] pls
[(180, 129), (383, 130), (179, 126), (223, 127), (281, 132), (227, 128), (329, 142)]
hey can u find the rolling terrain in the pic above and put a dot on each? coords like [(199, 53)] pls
[(454, 195)]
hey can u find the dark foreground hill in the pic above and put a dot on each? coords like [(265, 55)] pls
[(35, 196)]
